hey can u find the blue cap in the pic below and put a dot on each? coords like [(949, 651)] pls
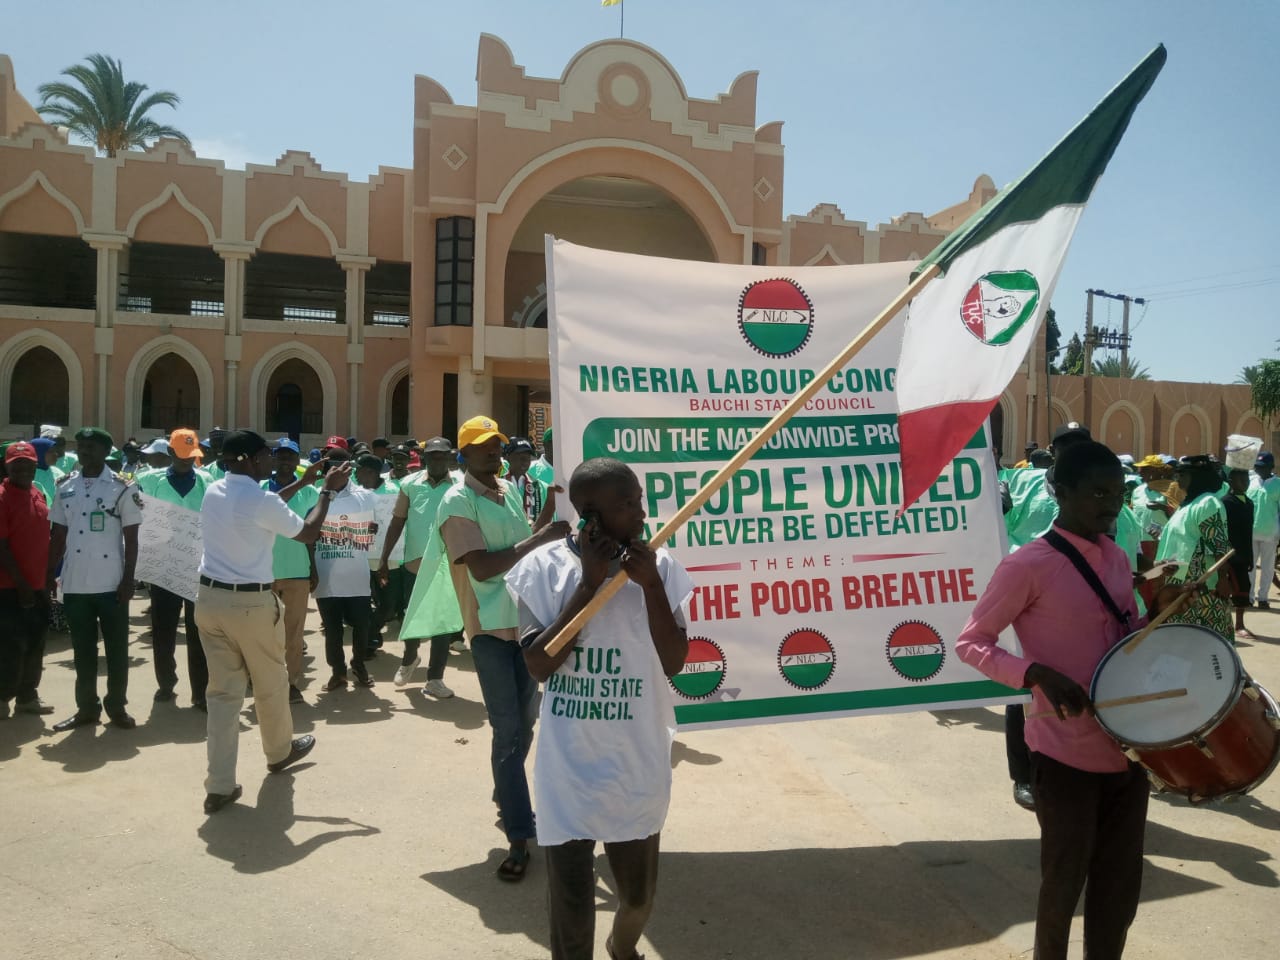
[(284, 443)]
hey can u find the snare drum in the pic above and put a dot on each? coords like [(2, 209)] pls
[(1222, 739)]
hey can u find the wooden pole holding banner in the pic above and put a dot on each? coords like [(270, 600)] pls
[(794, 405), (1132, 645)]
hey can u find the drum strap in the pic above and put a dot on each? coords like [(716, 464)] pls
[(1061, 544)]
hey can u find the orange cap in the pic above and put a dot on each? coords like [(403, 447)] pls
[(184, 444)]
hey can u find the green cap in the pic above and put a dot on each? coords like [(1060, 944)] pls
[(546, 437), (96, 433)]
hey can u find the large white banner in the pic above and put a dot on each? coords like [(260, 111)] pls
[(169, 547), (814, 597)]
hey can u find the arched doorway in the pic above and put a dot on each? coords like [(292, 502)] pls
[(398, 412), (996, 431), (40, 389), (295, 400), (170, 395), (608, 212)]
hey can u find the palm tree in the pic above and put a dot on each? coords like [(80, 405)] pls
[(104, 109), (1112, 367), (1248, 374)]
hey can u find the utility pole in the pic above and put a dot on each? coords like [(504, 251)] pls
[(1088, 334), (1107, 339), (1125, 338)]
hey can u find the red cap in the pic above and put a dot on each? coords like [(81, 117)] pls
[(20, 451), (339, 442)]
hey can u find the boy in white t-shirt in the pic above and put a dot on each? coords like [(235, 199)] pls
[(603, 765), (341, 561)]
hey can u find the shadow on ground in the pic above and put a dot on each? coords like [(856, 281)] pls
[(892, 902), (90, 748), (256, 839), (980, 718)]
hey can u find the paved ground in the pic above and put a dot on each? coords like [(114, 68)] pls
[(879, 838)]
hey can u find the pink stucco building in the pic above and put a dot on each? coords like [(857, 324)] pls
[(158, 288)]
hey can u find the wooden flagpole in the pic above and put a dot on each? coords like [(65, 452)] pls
[(794, 405), (1132, 644)]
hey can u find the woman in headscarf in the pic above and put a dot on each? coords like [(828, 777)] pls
[(1197, 536)]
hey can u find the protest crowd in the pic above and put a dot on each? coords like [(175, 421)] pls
[(462, 541)]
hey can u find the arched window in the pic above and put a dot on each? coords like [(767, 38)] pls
[(40, 389)]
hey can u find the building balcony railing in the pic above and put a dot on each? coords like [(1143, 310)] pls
[(169, 418), (295, 423), (184, 296), (22, 287), (269, 301)]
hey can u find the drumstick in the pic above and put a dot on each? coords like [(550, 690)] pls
[(1122, 701), (1132, 644)]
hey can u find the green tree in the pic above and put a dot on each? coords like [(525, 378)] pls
[(1265, 388), (1052, 338), (1073, 361), (104, 109), (1113, 367), (1247, 374)]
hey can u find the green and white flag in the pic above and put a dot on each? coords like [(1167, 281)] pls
[(968, 331)]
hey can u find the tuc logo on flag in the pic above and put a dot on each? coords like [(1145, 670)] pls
[(915, 651), (999, 304), (703, 671), (806, 659), (775, 317)]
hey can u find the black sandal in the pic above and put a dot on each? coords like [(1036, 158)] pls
[(608, 948), (513, 868)]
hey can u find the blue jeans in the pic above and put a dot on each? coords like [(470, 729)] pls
[(508, 693)]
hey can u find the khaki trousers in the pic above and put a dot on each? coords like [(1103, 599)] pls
[(243, 639), (295, 594)]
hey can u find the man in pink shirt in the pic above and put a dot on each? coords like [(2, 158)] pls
[(1091, 802)]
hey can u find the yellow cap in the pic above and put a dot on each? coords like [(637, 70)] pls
[(478, 430)]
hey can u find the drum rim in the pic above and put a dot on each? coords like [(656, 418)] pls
[(1241, 680), (1238, 791)]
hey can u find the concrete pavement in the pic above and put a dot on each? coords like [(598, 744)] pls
[(882, 837)]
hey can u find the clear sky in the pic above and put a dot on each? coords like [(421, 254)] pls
[(888, 107)]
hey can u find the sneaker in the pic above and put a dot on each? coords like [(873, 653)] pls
[(458, 646), (405, 672), (1023, 796), (164, 695), (1264, 605), (34, 706), (437, 689), (336, 682), (295, 695)]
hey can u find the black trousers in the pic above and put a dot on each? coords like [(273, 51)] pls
[(571, 889), (438, 657), (22, 631), (335, 614), (165, 610), (1091, 835), (1015, 744)]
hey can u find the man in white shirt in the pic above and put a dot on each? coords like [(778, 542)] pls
[(1264, 491), (239, 617), (95, 517)]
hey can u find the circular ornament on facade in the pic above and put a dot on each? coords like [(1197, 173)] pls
[(624, 90)]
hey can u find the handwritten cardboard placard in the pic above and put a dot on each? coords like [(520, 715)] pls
[(169, 547)]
